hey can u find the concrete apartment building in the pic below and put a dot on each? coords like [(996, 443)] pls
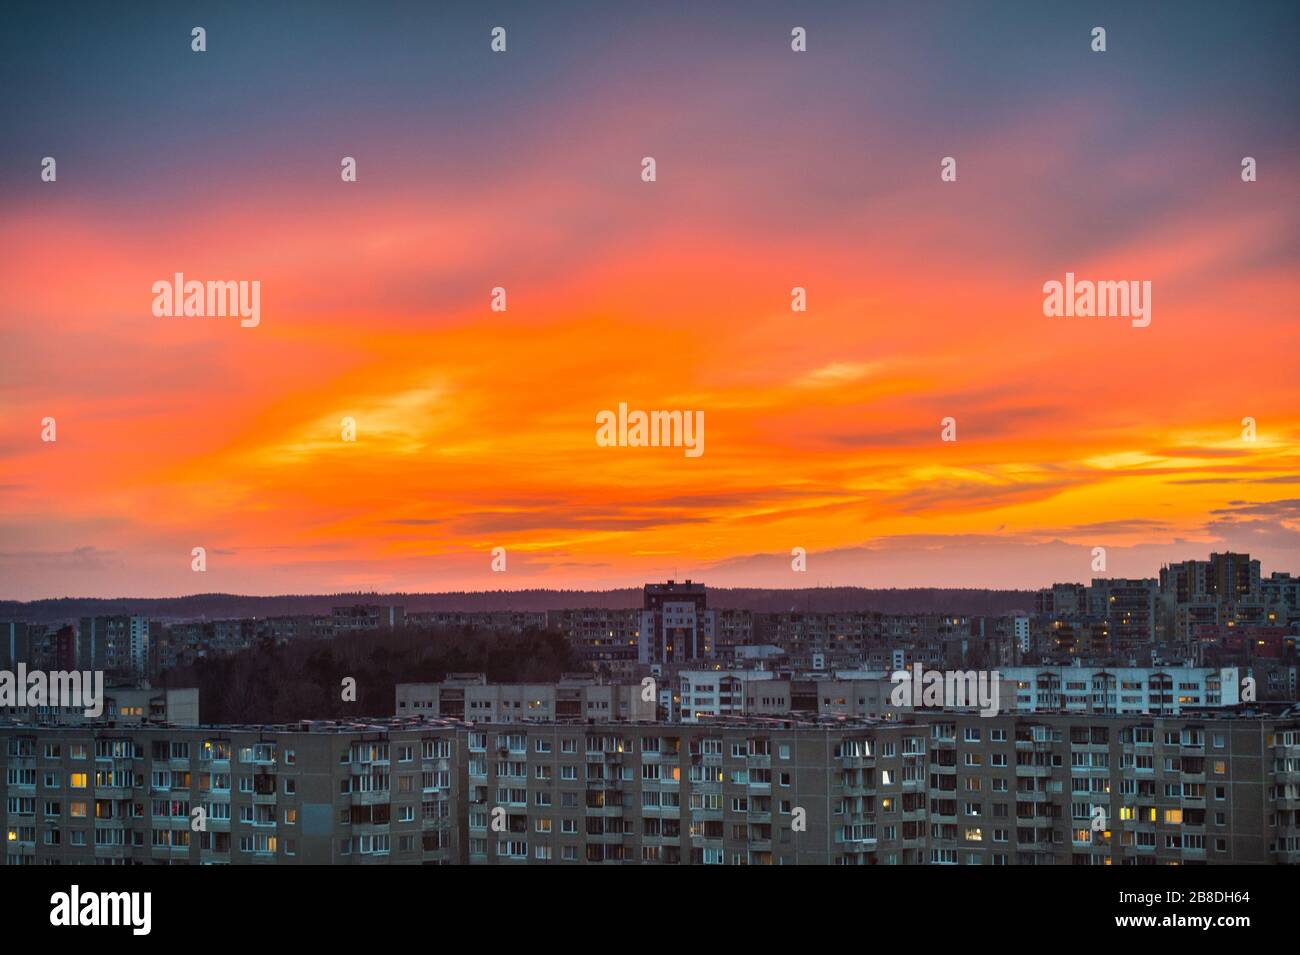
[(705, 695), (1226, 589), (1154, 690), (939, 788), (512, 621), (122, 706), (318, 793), (675, 624), (15, 644), (358, 618), (1130, 608), (469, 696), (119, 644), (606, 640)]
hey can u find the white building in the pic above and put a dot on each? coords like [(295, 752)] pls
[(1145, 690), (707, 693)]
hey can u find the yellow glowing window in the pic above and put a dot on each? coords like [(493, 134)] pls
[(1219, 767), (78, 781), (13, 835), (1152, 814), (291, 816), (1174, 817), (1127, 812)]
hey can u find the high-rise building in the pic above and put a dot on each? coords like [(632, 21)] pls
[(676, 625), (118, 644)]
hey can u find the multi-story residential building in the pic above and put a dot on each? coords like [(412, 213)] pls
[(359, 617), (1021, 634), (676, 625), (733, 629), (121, 706), (118, 644), (607, 640), (1281, 592), (469, 696), (15, 644), (936, 788), (286, 629), (316, 793), (704, 694), (1224, 590), (1078, 636), (826, 640), (1062, 600), (1147, 690), (512, 621), (1129, 607)]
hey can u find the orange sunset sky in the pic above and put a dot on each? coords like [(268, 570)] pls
[(476, 429)]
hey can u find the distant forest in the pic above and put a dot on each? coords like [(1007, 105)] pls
[(304, 679), (228, 606)]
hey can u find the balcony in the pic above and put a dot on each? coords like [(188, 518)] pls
[(1033, 771), (1034, 745)]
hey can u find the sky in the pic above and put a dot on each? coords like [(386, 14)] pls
[(476, 429)]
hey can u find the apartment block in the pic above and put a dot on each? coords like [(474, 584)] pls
[(312, 793), (15, 644), (361, 617), (511, 621), (117, 644), (675, 624), (738, 794), (469, 696), (606, 640), (937, 788), (122, 706), (1153, 690), (1130, 609)]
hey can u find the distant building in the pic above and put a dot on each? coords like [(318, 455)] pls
[(15, 644), (361, 617), (122, 706), (469, 696), (1123, 690), (117, 644), (606, 640), (676, 625)]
